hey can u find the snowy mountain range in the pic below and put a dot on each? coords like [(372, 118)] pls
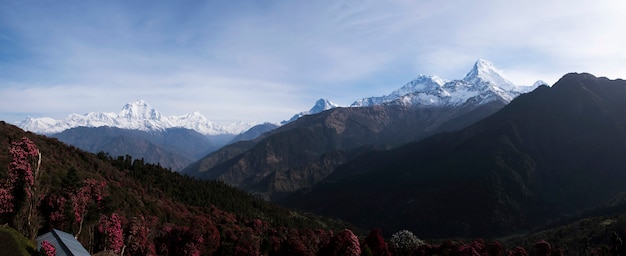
[(483, 83), (138, 115)]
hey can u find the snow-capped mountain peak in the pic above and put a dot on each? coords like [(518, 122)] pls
[(139, 110), (422, 83), (483, 83), (485, 72), (321, 105), (137, 115)]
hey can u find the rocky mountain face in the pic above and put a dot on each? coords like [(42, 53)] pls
[(306, 151), (548, 155), (172, 148)]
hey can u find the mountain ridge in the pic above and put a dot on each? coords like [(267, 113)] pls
[(551, 153), (137, 115), (484, 82), (307, 150)]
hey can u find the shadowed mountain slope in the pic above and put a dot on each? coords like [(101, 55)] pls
[(172, 148), (304, 152), (254, 132), (552, 153)]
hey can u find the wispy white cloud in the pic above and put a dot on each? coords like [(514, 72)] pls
[(265, 60)]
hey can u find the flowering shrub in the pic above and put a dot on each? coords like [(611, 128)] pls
[(344, 243), (18, 185), (467, 250), (90, 192), (376, 243), (19, 188), (54, 205), (177, 240), (6, 199), (47, 249), (139, 239), (22, 155), (405, 240), (112, 228)]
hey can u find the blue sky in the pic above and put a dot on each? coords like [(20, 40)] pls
[(267, 60)]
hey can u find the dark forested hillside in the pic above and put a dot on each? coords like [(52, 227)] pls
[(551, 154), (306, 151), (154, 210)]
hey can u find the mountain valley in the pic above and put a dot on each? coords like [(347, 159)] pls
[(173, 148)]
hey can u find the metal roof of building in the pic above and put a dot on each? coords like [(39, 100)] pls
[(64, 243)]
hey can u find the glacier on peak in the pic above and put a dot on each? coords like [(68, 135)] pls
[(139, 110), (137, 115), (485, 72), (322, 105), (422, 83), (482, 84)]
